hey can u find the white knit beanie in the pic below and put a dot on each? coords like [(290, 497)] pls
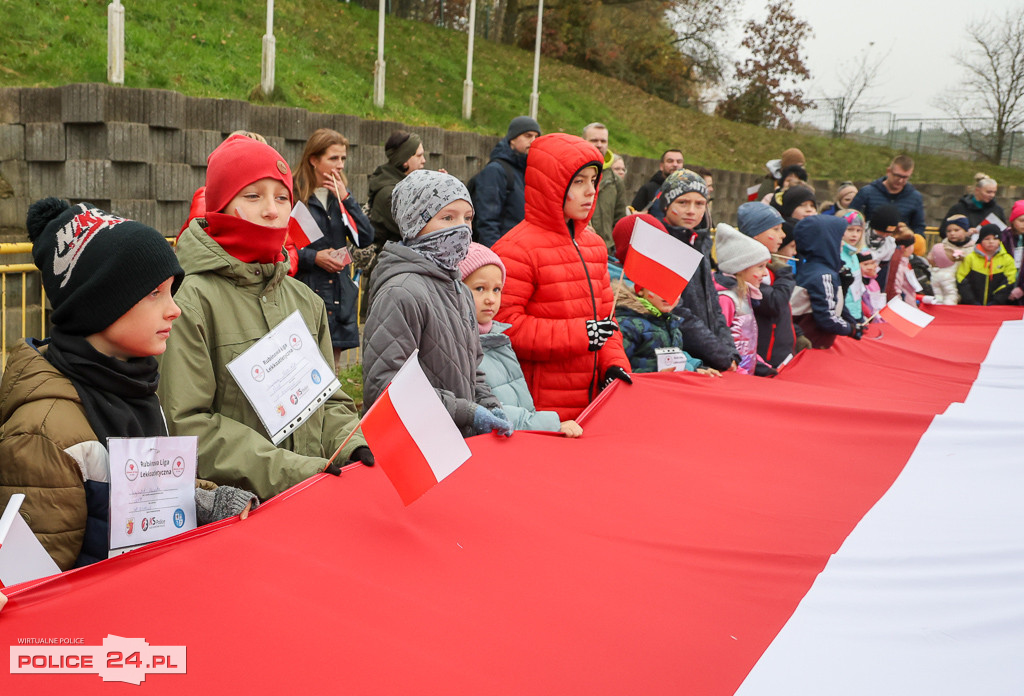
[(736, 251)]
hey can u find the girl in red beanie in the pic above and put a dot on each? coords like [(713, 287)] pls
[(236, 289)]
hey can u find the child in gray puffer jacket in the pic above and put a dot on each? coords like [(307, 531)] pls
[(484, 275)]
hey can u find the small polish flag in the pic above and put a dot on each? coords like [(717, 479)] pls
[(902, 316), (411, 435), (302, 228), (660, 262), (752, 192), (22, 557), (993, 219)]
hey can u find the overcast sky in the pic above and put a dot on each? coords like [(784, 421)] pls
[(923, 34)]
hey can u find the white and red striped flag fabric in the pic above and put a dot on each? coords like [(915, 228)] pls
[(411, 435), (302, 228), (752, 192), (659, 262), (904, 317), (993, 219), (852, 526)]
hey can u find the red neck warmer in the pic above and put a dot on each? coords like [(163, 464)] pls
[(246, 241)]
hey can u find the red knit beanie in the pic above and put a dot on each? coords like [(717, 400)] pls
[(238, 162), (623, 230)]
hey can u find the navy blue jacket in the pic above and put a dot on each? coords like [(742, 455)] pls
[(776, 338), (337, 290), (818, 241), (909, 201), (498, 209)]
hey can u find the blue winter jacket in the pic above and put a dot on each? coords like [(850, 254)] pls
[(818, 241), (909, 201), (505, 378), (498, 208)]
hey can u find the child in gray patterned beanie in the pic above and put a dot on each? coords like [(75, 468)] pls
[(418, 302)]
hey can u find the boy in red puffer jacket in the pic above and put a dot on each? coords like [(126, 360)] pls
[(557, 294)]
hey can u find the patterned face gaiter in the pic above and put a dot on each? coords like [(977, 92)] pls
[(446, 248)]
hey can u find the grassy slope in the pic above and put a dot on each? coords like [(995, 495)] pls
[(325, 55)]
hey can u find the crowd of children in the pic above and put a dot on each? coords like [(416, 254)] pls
[(521, 336)]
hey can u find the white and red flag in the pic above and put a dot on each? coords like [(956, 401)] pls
[(411, 435), (993, 219), (752, 192), (660, 262), (302, 228), (22, 557), (904, 317)]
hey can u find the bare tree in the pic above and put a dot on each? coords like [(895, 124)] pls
[(699, 26), (993, 87), (855, 80)]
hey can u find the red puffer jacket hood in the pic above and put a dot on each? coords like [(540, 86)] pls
[(553, 162)]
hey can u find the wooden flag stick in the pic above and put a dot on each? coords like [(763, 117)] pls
[(621, 286)]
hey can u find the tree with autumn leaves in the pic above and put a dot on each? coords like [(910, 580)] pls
[(766, 81)]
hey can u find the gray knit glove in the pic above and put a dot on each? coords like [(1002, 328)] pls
[(221, 503), (485, 421)]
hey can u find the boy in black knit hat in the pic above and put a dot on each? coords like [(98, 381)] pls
[(110, 281)]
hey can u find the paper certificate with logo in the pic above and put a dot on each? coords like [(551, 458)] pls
[(152, 488), (285, 377)]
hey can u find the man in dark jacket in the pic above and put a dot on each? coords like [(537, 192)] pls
[(498, 196), (671, 160), (894, 188)]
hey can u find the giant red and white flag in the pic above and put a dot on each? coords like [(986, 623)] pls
[(302, 228), (22, 557), (411, 435), (876, 548), (904, 317), (660, 262)]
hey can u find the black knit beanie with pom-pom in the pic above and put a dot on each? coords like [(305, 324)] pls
[(95, 265)]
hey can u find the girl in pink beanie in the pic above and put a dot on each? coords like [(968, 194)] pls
[(484, 274), (1013, 242)]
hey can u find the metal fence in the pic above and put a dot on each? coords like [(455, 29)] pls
[(936, 136)]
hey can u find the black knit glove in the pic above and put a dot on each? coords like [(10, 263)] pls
[(845, 278), (856, 332), (363, 455), (613, 373), (599, 331), (334, 469)]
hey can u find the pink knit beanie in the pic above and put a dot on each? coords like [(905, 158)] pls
[(478, 257), (1016, 211)]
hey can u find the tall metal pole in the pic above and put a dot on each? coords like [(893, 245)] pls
[(115, 42), (379, 66), (534, 95), (269, 53), (467, 85)]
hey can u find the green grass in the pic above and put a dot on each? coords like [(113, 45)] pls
[(352, 383), (325, 55)]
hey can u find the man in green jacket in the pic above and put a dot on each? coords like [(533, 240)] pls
[(611, 198)]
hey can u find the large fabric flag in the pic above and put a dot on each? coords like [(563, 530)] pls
[(904, 317), (411, 435), (22, 557), (659, 262), (879, 552), (302, 228)]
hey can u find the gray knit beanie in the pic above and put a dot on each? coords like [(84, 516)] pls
[(681, 182), (520, 125), (736, 251), (419, 196)]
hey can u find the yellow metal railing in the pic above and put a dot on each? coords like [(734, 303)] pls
[(23, 270)]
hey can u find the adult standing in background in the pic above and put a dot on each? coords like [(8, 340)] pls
[(499, 187), (977, 205), (610, 206), (671, 160), (894, 188), (321, 185), (405, 155), (775, 168)]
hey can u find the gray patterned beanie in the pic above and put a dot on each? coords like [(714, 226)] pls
[(419, 196), (680, 182)]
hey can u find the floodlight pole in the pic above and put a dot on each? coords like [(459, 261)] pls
[(115, 42), (379, 66), (467, 85), (269, 53), (534, 95)]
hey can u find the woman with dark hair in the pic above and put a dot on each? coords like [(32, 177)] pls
[(321, 185)]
